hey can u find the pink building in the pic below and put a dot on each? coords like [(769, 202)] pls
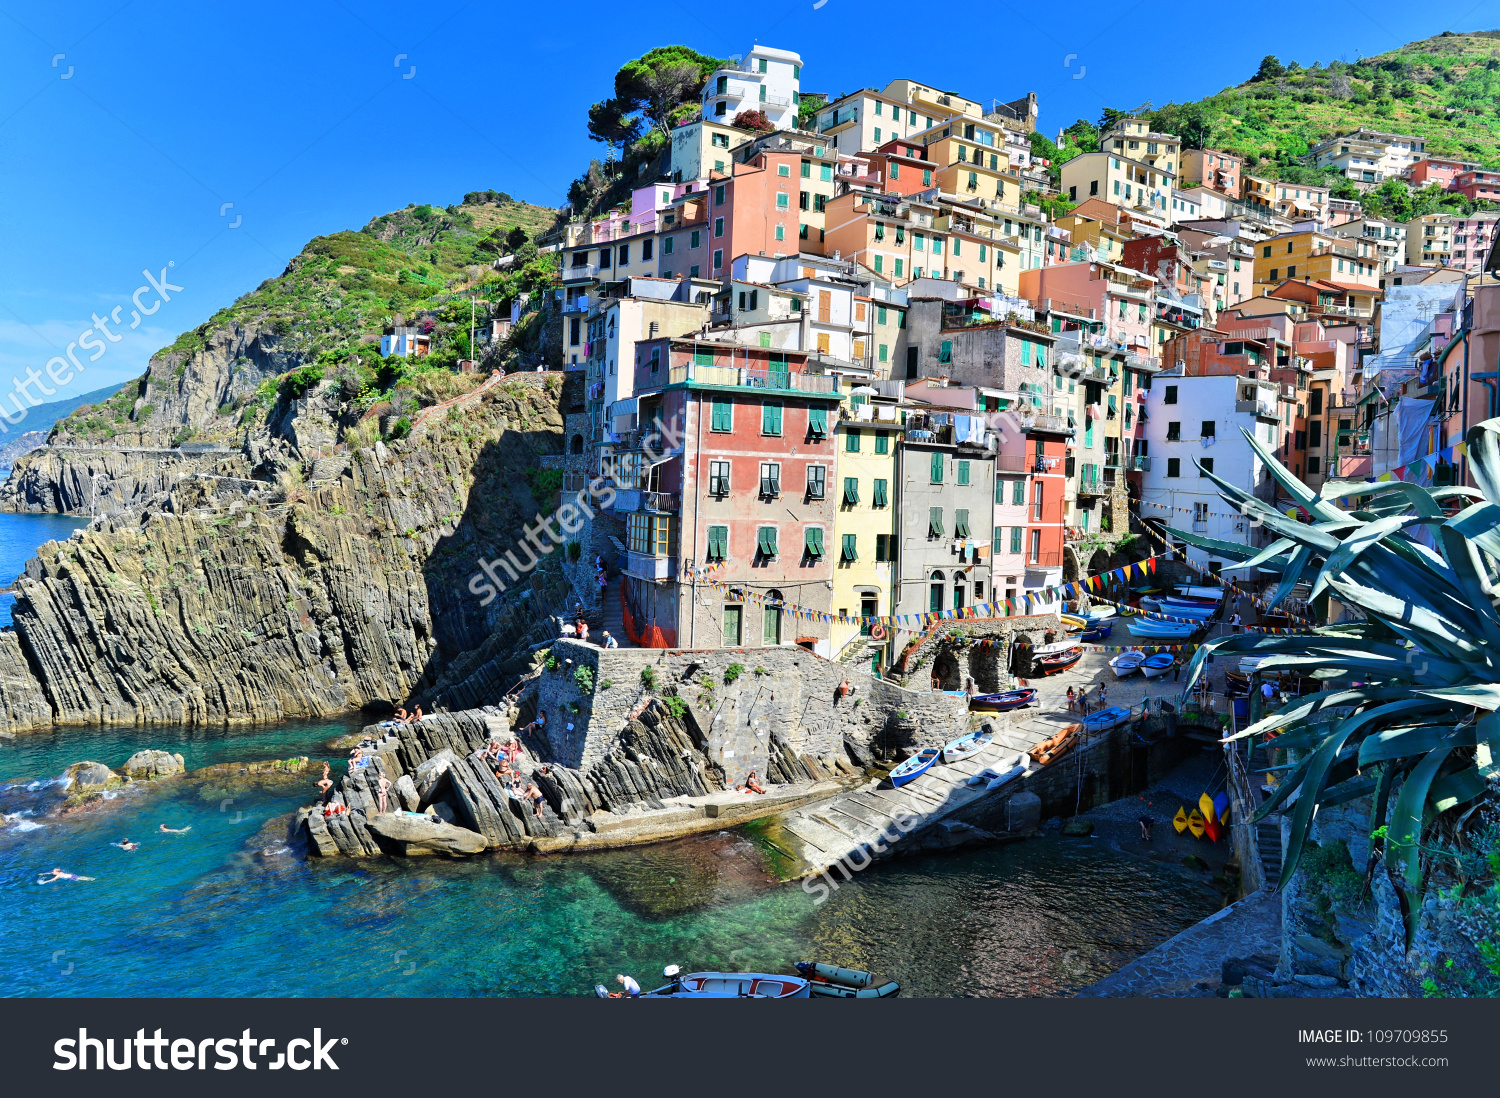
[(1424, 173), (1122, 299), (1478, 185)]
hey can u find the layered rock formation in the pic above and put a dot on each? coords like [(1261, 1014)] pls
[(217, 602)]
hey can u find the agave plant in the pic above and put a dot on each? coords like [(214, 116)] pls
[(1407, 713)]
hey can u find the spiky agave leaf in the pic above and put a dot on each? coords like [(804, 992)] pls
[(1426, 657)]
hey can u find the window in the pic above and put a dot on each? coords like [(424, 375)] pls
[(1036, 546), (783, 170), (961, 523), (1315, 433), (963, 472), (926, 177), (945, 352), (765, 541), (780, 232), (935, 597), (1205, 466), (851, 490), (624, 255), (720, 140), (937, 468), (882, 441), (880, 497), (885, 352), (1037, 500), (718, 258), (783, 201), (1016, 533), (934, 522), (718, 478), (816, 481), (604, 257), (812, 543), (885, 548), (900, 263), (825, 172), (770, 479), (718, 542), (817, 422), (1174, 467), (695, 238), (732, 616), (1170, 396), (851, 441), (1207, 429), (718, 226), (701, 358)]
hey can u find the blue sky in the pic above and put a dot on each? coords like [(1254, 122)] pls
[(120, 155)]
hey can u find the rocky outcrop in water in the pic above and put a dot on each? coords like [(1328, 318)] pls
[(150, 764), (90, 777)]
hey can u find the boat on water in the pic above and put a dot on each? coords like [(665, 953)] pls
[(829, 982), (722, 985), (1127, 663), (1059, 661), (1106, 719), (999, 703), (965, 746), (1154, 667), (915, 766), (1161, 630)]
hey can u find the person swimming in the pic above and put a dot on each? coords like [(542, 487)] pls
[(58, 875), (174, 830), (126, 844)]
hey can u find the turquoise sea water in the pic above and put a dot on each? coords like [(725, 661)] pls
[(19, 537), (229, 909)]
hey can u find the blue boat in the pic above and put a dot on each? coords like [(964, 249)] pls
[(999, 703), (1105, 719), (1157, 665), (915, 766), (1161, 630), (1098, 633), (965, 746), (1198, 613)]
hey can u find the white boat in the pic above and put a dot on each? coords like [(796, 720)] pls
[(1215, 593), (1054, 649), (1156, 666), (1127, 663), (724, 985)]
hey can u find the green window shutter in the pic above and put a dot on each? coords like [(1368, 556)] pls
[(1111, 402), (882, 442), (1015, 538), (946, 353), (1017, 493), (766, 541), (849, 554), (935, 522), (815, 541), (718, 542), (880, 499), (884, 353), (1025, 352), (723, 417), (703, 358), (807, 169), (937, 468), (963, 472), (961, 523), (1129, 381), (851, 489), (825, 172), (817, 422), (770, 419), (851, 441), (1041, 354)]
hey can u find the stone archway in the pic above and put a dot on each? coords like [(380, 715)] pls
[(984, 665), (1099, 562), (1070, 564), (945, 669)]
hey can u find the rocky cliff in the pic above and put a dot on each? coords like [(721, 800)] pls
[(345, 585)]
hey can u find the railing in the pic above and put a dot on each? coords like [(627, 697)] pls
[(1044, 560), (647, 566), (1139, 464), (669, 502), (588, 270), (1054, 424), (753, 379), (1256, 407), (1092, 486), (1012, 463)]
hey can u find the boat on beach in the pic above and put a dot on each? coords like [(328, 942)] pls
[(999, 703), (830, 982), (914, 767), (1059, 661), (1127, 663), (965, 746), (1161, 630), (1106, 719), (1098, 633), (1155, 666)]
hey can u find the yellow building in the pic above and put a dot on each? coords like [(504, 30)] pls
[(864, 540), (1352, 263), (1088, 232), (1119, 179)]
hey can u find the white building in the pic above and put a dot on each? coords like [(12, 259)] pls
[(1201, 418), (405, 343), (767, 80), (1369, 156)]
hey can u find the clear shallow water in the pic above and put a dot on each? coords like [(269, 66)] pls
[(19, 537), (227, 909)]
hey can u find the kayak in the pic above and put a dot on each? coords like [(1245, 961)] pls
[(828, 982), (1221, 806), (965, 746), (915, 766), (1195, 824), (1127, 663), (1180, 821), (1056, 746), (999, 703)]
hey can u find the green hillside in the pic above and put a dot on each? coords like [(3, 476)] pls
[(421, 260), (1445, 90)]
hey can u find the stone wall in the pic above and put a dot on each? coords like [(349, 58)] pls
[(793, 697)]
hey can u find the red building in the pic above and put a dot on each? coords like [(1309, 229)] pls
[(1046, 519), (905, 167), (1478, 186), (729, 476), (1424, 173)]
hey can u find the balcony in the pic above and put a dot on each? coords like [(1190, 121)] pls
[(1044, 560), (1092, 486), (646, 566), (1263, 409), (1139, 464), (1012, 463), (1039, 423), (587, 273), (753, 379)]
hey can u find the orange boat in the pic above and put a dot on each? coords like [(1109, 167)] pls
[(1054, 748)]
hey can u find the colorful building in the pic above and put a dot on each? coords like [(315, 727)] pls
[(864, 546)]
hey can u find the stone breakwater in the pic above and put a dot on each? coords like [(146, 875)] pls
[(351, 591)]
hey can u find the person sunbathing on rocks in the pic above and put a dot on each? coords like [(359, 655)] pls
[(325, 785), (174, 830), (58, 875), (752, 784), (385, 789), (538, 725), (402, 717), (534, 795), (356, 758)]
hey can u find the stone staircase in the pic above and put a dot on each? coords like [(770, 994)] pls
[(1268, 838), (611, 616)]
